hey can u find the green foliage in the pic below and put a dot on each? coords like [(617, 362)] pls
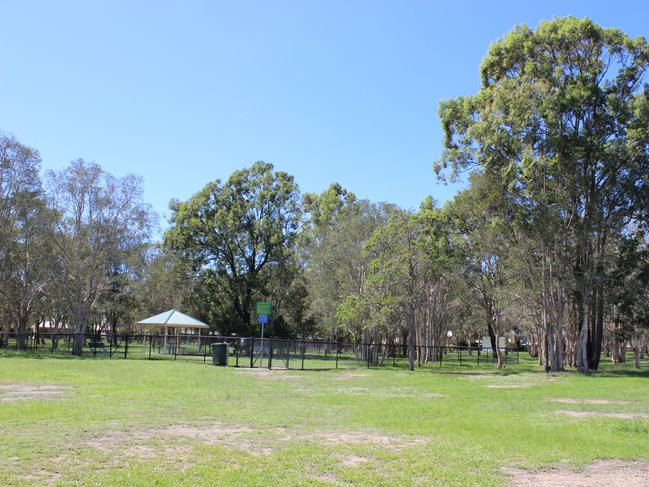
[(335, 265), (560, 121), (234, 231)]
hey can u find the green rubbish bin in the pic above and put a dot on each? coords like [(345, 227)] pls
[(220, 354)]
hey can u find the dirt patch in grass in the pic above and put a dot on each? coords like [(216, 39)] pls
[(393, 443), (509, 386), (29, 392), (209, 435), (109, 441), (348, 376), (566, 400), (612, 473), (176, 442), (42, 477), (274, 374), (353, 460), (141, 452), (388, 392), (140, 444), (325, 477), (603, 414), (516, 381)]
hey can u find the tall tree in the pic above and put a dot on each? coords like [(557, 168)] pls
[(399, 272), (231, 231), (336, 266), (25, 230), (103, 218), (562, 115), (480, 222)]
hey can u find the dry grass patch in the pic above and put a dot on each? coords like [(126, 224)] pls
[(587, 414), (42, 477), (566, 400), (393, 443), (273, 374), (29, 392), (388, 392), (517, 381), (141, 444), (509, 386), (612, 473), (348, 376), (353, 460), (327, 478)]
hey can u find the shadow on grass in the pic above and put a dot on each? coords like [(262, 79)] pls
[(622, 372), (527, 366)]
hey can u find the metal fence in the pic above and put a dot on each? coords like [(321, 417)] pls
[(271, 353)]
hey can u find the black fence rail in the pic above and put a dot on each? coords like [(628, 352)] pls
[(271, 353)]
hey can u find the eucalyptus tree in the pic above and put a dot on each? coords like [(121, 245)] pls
[(479, 221), (335, 265), (26, 257), (164, 281), (29, 270), (102, 220), (399, 272), (562, 116), (233, 231), (407, 289), (628, 293)]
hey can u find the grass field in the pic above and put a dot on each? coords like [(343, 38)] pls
[(67, 421)]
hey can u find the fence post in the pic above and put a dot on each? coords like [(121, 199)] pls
[(368, 355), (303, 350), (288, 353), (252, 352), (478, 356), (337, 353), (270, 355), (237, 352), (126, 345), (150, 345)]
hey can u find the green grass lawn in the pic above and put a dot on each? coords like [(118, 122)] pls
[(163, 422)]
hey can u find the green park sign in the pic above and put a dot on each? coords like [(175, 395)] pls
[(264, 308)]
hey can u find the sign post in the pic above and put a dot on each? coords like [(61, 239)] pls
[(264, 309)]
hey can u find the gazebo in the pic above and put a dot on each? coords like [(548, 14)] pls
[(175, 320)]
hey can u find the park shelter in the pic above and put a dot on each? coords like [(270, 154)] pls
[(175, 321)]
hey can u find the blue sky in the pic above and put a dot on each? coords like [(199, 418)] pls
[(185, 92)]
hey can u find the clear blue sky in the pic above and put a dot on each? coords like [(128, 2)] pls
[(185, 92)]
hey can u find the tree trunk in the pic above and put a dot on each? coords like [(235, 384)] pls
[(412, 340), (636, 354), (4, 341), (21, 329), (598, 328), (582, 340), (80, 327)]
